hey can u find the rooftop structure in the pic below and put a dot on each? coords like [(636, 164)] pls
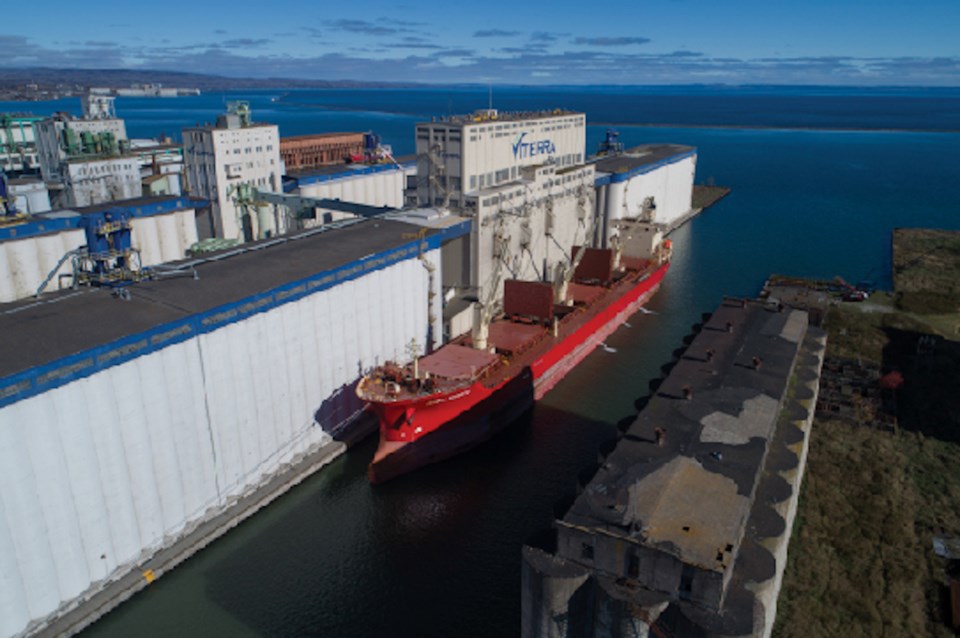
[(308, 151), (18, 144), (493, 115), (39, 250)]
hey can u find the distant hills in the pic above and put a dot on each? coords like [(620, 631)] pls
[(46, 83)]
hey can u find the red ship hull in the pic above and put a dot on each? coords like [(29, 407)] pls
[(424, 430)]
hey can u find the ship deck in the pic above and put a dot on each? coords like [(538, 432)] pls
[(456, 362), (516, 344)]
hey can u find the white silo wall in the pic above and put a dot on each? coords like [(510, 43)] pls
[(22, 264), (170, 248), (670, 185), (7, 289), (144, 236), (99, 473), (383, 188), (28, 261)]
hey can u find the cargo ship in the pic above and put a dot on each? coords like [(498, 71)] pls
[(469, 389)]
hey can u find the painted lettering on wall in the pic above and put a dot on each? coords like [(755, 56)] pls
[(523, 150)]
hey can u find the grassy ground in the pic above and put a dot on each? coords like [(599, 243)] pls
[(926, 273), (861, 561)]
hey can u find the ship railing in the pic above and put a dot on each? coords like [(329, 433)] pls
[(394, 389)]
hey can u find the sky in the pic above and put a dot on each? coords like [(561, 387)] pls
[(836, 42)]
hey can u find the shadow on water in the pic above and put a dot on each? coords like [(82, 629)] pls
[(437, 550)]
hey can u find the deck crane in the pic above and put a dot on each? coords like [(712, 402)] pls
[(484, 310), (566, 270)]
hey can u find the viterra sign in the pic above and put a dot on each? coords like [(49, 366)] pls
[(523, 149)]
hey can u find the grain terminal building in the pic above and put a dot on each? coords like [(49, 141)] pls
[(127, 425)]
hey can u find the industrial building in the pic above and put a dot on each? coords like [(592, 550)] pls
[(683, 528), (121, 437), (301, 152), (188, 393), (522, 177), (468, 153), (28, 194), (89, 160), (219, 158)]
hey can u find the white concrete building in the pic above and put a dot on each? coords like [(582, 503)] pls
[(467, 153), (118, 442), (95, 181), (522, 178), (84, 160), (30, 195), (61, 137), (220, 158)]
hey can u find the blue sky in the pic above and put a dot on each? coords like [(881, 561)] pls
[(838, 42)]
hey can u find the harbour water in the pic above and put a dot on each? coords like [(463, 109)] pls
[(437, 553)]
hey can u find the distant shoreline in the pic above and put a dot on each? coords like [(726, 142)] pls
[(773, 127)]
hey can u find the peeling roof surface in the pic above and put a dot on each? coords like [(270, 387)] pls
[(716, 412)]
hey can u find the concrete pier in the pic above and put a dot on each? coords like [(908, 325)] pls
[(684, 528)]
